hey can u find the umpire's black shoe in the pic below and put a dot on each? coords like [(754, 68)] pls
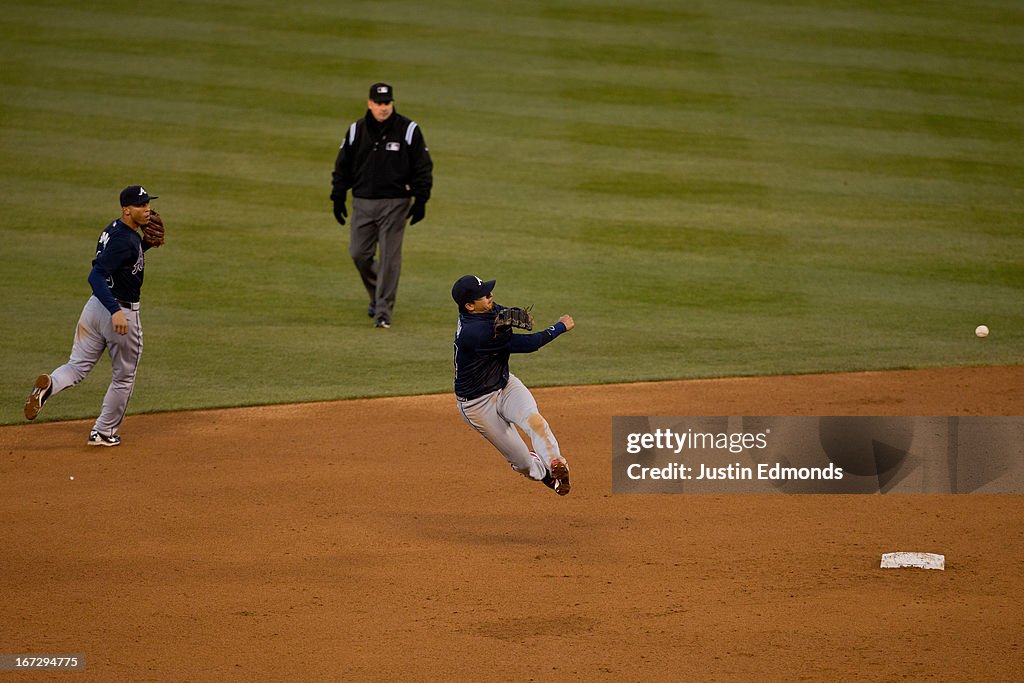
[(40, 392)]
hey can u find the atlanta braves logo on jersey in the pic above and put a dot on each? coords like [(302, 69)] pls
[(140, 263)]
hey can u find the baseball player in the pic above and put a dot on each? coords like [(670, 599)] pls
[(110, 319), (491, 399), (386, 163)]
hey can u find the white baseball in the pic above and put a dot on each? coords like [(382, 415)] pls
[(981, 331)]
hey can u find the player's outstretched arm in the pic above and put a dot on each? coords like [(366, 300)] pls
[(528, 343)]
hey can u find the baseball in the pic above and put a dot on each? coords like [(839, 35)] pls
[(72, 477), (981, 331)]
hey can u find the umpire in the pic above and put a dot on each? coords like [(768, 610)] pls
[(384, 160)]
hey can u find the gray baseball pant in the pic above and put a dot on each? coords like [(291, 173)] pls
[(379, 222), (495, 415), (94, 334)]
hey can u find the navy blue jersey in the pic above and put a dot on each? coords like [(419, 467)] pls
[(119, 266), (481, 355)]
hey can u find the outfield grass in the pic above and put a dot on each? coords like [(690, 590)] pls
[(711, 189)]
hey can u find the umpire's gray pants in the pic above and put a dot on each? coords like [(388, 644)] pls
[(94, 334), (379, 222)]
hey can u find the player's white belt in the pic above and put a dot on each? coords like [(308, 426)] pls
[(131, 305)]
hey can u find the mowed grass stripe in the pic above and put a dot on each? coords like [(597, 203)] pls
[(231, 95), (405, 42), (302, 143), (647, 185)]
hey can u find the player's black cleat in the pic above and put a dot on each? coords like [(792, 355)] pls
[(40, 392), (97, 439), (547, 480), (382, 323)]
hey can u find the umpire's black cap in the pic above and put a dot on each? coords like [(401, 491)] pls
[(135, 195), (470, 288), (381, 92)]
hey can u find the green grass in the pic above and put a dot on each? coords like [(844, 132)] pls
[(711, 189)]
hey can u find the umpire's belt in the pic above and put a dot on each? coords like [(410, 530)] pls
[(131, 305)]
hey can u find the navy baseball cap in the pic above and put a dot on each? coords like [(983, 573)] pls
[(470, 288), (381, 92), (135, 195)]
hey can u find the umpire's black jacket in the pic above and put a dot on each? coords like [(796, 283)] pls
[(383, 160)]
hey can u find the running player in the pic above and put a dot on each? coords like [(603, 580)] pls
[(109, 321)]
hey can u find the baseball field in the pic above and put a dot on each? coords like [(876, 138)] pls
[(749, 208)]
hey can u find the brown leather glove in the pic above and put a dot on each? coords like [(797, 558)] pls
[(514, 317), (153, 232)]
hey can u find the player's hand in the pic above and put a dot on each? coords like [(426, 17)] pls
[(120, 322), (568, 322), (340, 212)]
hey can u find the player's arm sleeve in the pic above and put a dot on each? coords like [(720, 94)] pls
[(421, 179), (528, 343), (98, 282)]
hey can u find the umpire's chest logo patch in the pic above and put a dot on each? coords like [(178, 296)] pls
[(394, 146)]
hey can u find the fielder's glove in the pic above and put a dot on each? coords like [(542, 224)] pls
[(417, 211), (153, 232), (508, 318)]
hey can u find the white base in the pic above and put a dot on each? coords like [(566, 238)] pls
[(920, 560)]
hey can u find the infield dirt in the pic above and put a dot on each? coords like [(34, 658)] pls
[(384, 540)]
